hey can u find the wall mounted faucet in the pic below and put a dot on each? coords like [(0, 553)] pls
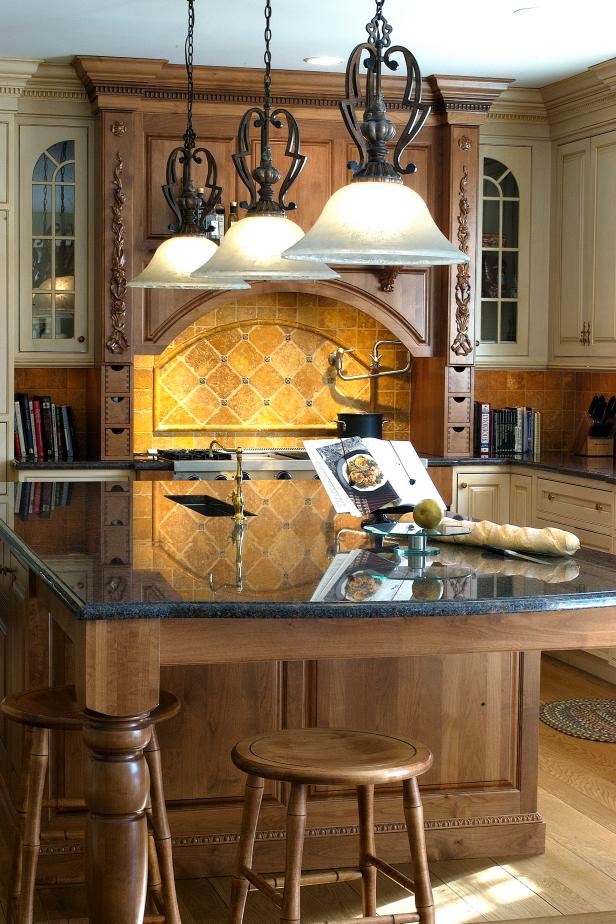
[(335, 359)]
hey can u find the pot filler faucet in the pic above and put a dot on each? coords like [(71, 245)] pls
[(237, 497), (335, 359)]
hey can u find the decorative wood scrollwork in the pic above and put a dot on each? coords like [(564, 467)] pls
[(118, 128), (387, 277), (465, 143), (117, 342), (462, 345)]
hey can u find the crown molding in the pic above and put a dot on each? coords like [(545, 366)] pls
[(33, 78), (580, 102), (120, 82), (519, 104)]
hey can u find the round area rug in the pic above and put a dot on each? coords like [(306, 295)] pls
[(594, 719)]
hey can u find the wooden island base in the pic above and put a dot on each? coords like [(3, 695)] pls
[(476, 710)]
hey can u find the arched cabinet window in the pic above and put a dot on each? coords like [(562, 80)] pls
[(53, 240), (503, 269)]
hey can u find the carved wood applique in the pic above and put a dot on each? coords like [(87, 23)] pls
[(117, 342), (387, 277), (461, 345)]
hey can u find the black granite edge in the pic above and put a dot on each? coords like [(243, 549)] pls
[(71, 466), (28, 558), (230, 609)]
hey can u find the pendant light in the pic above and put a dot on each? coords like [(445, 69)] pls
[(252, 247), (177, 257), (376, 219)]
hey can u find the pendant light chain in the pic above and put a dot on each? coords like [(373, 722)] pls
[(189, 136), (267, 57)]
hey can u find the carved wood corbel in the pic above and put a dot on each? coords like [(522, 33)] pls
[(387, 277)]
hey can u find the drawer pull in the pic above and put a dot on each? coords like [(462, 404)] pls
[(550, 497), (598, 507), (463, 484)]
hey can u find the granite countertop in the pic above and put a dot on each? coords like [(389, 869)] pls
[(595, 468), (145, 554)]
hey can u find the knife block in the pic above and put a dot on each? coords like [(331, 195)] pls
[(597, 446)]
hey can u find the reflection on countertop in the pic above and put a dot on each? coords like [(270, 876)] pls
[(141, 554)]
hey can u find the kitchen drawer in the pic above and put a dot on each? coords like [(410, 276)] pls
[(116, 545), (575, 504), (458, 409), (588, 538), (117, 442), (117, 509), (459, 440), (117, 409), (459, 379), (117, 380)]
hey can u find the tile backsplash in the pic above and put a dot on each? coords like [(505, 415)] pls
[(562, 396), (258, 366)]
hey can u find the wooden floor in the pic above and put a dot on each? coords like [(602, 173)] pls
[(576, 876)]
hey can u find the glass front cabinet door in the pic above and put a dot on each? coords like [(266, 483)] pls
[(54, 241), (503, 267)]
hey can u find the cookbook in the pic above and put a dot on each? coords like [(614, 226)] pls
[(361, 474)]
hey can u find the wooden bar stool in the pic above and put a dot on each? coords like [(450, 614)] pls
[(332, 757), (55, 709)]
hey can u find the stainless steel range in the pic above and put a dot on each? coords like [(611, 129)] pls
[(267, 463)]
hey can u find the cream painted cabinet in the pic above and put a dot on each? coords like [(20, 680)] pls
[(483, 495), (521, 508), (584, 244), (55, 241)]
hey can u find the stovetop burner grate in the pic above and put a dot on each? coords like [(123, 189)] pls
[(202, 455)]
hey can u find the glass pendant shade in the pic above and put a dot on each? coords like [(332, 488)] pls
[(380, 223), (175, 259), (252, 249)]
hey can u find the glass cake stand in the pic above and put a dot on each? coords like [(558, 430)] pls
[(416, 538)]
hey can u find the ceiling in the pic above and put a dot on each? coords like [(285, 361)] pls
[(466, 37)]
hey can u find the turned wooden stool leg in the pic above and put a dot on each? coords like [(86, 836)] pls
[(250, 816), (365, 804), (31, 842), (296, 824), (154, 882), (162, 836), (413, 813)]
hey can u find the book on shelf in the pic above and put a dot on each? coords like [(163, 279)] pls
[(40, 498), (510, 431), (43, 430)]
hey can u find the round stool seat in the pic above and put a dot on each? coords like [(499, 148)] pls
[(56, 708), (331, 755)]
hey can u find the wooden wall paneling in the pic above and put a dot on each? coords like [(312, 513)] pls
[(415, 697), (315, 183)]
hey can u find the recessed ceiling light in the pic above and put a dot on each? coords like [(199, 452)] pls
[(523, 10), (323, 60)]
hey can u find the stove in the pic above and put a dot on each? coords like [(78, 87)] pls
[(258, 463)]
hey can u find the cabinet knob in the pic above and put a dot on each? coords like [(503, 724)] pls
[(598, 507), (463, 484), (550, 497), (81, 339)]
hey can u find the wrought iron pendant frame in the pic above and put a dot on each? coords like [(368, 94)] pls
[(375, 131), (191, 207), (261, 181)]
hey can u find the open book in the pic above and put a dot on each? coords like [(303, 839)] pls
[(364, 474)]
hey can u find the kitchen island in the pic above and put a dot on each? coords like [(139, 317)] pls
[(123, 588)]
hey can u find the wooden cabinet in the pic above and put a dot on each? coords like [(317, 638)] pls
[(584, 241), (55, 245), (483, 495)]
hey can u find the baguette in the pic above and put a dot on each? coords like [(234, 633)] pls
[(550, 541)]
